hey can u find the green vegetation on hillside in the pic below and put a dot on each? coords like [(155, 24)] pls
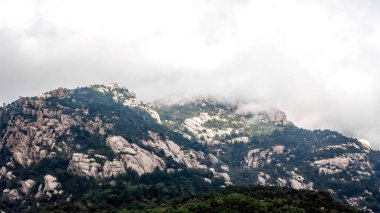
[(154, 198), (257, 199)]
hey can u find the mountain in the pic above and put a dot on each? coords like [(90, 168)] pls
[(99, 148), (256, 144)]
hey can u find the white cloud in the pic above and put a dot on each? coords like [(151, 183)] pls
[(316, 60)]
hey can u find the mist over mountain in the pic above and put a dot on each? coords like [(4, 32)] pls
[(241, 105), (318, 61)]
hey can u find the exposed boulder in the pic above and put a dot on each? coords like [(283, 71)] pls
[(120, 146), (113, 168), (82, 165), (134, 157), (243, 139), (298, 182), (189, 157), (327, 171), (51, 187), (277, 116), (262, 179), (281, 182), (26, 186), (213, 158), (340, 162), (365, 143), (11, 195), (358, 162), (196, 126), (279, 149)]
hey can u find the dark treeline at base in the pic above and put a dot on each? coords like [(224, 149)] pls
[(231, 199)]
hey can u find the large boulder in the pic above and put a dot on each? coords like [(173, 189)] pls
[(51, 187), (81, 165)]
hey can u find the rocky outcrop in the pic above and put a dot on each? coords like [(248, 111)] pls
[(279, 149), (234, 145), (196, 126), (127, 98), (281, 182), (97, 126), (189, 157), (82, 165), (26, 186), (152, 113), (222, 175), (113, 168), (134, 157), (345, 163), (120, 146), (260, 157), (262, 113), (7, 174), (50, 188), (253, 158), (143, 162), (298, 182), (11, 195), (344, 146), (51, 184), (213, 158), (339, 162), (277, 116), (327, 171), (27, 139), (243, 139), (365, 143), (263, 178)]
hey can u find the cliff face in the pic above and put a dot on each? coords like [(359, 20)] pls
[(100, 133)]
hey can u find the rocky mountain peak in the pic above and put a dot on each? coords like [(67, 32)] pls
[(102, 132), (261, 110)]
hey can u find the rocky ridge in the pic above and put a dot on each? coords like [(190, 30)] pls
[(275, 151), (102, 132), (49, 126)]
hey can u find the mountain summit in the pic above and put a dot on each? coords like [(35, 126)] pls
[(67, 144)]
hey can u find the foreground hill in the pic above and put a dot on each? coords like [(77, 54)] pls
[(232, 199), (256, 199), (101, 145)]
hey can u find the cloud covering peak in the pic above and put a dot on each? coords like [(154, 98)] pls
[(319, 61)]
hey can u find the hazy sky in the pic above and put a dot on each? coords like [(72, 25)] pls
[(319, 61)]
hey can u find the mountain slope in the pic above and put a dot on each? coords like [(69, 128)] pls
[(78, 147), (97, 133), (256, 144)]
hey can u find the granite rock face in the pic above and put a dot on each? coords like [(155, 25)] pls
[(189, 157), (134, 157)]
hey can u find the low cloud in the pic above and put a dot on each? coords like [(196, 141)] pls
[(317, 61)]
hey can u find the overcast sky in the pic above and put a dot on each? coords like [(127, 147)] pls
[(319, 61)]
